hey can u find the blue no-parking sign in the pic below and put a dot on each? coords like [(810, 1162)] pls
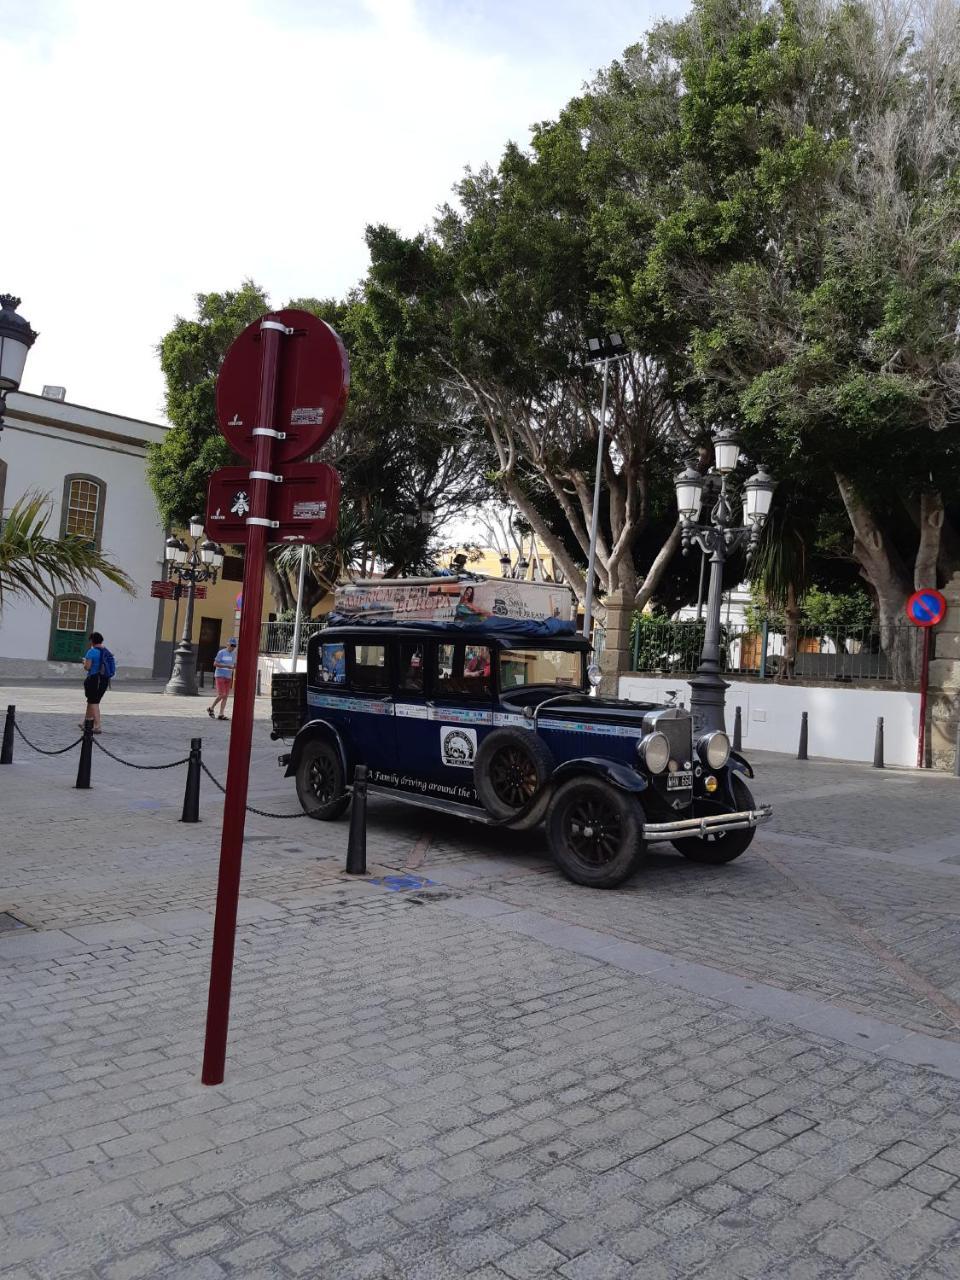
[(926, 608)]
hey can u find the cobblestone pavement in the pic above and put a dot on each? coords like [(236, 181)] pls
[(745, 1071)]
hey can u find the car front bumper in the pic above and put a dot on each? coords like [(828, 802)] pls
[(714, 824)]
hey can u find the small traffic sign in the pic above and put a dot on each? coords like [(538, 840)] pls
[(305, 504), (926, 608), (313, 379)]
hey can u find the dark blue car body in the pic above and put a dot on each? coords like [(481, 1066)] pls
[(448, 716)]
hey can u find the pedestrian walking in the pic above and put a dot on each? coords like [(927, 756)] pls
[(100, 666), (224, 665)]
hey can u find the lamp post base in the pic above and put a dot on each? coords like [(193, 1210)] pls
[(707, 698), (183, 679)]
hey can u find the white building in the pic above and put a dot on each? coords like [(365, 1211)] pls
[(92, 464)]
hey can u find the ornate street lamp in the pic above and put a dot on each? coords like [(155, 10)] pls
[(201, 563), (504, 566), (16, 339), (717, 538)]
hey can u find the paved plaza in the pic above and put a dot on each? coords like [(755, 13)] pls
[(464, 1065)]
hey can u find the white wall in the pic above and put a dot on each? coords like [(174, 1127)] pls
[(842, 721), (42, 442)]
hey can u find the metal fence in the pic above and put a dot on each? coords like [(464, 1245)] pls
[(847, 654), (276, 638)]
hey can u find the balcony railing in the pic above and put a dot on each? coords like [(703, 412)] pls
[(276, 638), (848, 654)]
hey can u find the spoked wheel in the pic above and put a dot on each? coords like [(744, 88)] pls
[(320, 782), (512, 767), (722, 846), (594, 831)]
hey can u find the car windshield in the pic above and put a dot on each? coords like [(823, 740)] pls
[(520, 667)]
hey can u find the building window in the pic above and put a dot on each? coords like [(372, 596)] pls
[(83, 498), (71, 623)]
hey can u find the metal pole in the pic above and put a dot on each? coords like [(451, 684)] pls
[(357, 839), (878, 745), (238, 761), (764, 645), (595, 522), (177, 593), (6, 750), (804, 730), (299, 614), (924, 683), (703, 574), (707, 687), (86, 757), (737, 730), (191, 792), (183, 681)]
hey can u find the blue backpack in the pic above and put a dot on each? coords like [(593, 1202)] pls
[(108, 664)]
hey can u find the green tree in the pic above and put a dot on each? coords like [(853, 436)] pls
[(38, 567)]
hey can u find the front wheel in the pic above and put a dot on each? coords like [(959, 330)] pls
[(321, 789), (722, 846), (595, 832)]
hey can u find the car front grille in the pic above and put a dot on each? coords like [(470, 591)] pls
[(676, 728)]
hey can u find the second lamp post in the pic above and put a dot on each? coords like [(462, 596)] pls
[(191, 566), (717, 538)]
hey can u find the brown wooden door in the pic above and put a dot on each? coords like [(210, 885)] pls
[(209, 643)]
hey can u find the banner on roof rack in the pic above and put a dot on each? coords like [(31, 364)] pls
[(454, 600)]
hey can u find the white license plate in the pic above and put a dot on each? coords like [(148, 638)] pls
[(678, 781)]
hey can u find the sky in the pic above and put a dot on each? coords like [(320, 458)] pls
[(156, 151)]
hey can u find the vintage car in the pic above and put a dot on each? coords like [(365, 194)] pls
[(496, 720)]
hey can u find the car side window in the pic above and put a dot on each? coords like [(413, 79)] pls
[(368, 668), (463, 672), (410, 667), (332, 667)]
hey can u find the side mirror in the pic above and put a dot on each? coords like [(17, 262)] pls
[(593, 674)]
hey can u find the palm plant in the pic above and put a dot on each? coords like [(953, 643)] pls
[(780, 569), (39, 567)]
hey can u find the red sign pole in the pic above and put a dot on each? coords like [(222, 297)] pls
[(234, 811), (924, 683)]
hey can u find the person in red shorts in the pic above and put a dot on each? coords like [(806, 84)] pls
[(224, 665)]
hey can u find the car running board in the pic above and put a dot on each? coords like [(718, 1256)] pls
[(440, 805)]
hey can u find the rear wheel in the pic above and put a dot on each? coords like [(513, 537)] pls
[(321, 788), (512, 767), (722, 846), (594, 832)]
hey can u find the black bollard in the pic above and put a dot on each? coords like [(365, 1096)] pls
[(259, 694), (878, 745), (200, 685), (6, 750), (86, 757), (802, 752), (357, 840), (191, 792), (737, 731)]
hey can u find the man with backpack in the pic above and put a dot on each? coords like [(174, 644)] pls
[(100, 666)]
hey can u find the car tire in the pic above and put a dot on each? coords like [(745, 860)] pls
[(595, 832), (511, 768), (723, 847), (321, 787)]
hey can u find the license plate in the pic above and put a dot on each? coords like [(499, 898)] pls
[(678, 781)]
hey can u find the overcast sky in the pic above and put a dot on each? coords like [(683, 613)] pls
[(154, 151)]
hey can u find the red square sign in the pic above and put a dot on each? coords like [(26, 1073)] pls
[(306, 504)]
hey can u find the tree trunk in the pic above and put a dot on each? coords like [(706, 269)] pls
[(791, 613), (655, 573), (881, 566), (283, 597)]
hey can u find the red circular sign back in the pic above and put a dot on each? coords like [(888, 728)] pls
[(313, 380)]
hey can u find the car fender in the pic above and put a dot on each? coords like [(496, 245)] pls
[(739, 764), (309, 732), (612, 771)]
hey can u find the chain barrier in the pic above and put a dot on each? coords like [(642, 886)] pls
[(132, 764), (43, 751), (261, 813)]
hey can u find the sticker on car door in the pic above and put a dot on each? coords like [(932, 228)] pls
[(458, 746)]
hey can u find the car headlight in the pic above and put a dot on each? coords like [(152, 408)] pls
[(654, 751), (714, 749)]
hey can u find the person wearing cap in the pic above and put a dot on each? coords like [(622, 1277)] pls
[(223, 667)]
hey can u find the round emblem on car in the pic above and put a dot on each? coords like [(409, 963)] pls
[(458, 747)]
